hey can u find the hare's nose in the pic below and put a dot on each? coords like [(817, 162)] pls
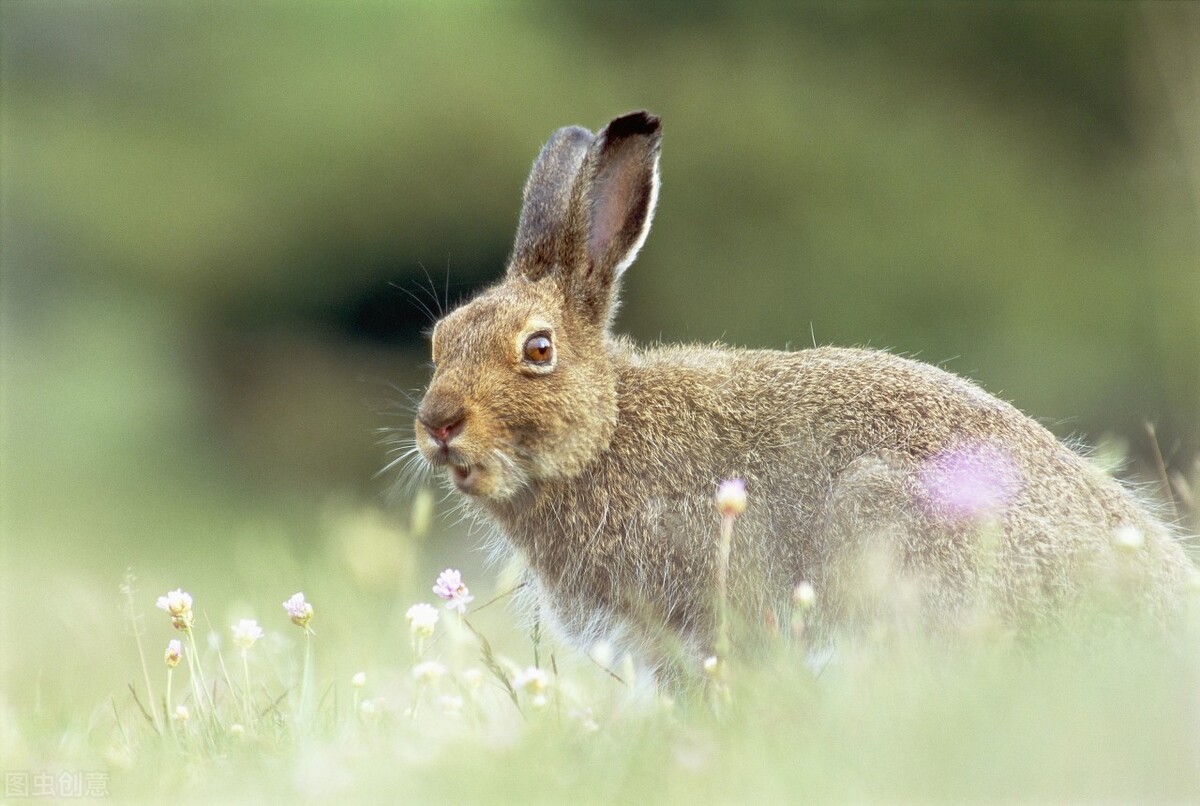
[(442, 428)]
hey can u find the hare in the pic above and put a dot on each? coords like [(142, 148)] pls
[(598, 459)]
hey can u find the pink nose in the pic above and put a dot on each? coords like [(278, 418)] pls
[(442, 434)]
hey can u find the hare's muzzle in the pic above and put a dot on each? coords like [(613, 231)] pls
[(443, 433), (442, 422)]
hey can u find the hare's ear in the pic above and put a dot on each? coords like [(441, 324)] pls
[(543, 241), (613, 203)]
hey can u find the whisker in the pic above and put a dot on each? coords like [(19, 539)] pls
[(432, 291), (413, 471), (401, 458), (418, 301)]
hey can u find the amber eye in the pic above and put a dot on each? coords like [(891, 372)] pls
[(539, 349)]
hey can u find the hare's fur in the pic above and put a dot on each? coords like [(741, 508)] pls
[(869, 475)]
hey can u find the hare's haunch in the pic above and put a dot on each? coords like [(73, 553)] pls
[(883, 482)]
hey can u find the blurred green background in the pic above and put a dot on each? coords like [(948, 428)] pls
[(210, 211)]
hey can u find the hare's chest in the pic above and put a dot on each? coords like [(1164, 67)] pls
[(625, 620), (625, 576)]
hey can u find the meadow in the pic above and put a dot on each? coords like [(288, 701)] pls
[(218, 223), (441, 694)]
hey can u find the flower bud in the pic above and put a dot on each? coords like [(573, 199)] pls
[(731, 498), (173, 654)]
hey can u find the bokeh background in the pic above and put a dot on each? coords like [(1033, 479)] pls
[(216, 216)]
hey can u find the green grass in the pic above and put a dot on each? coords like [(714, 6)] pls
[(895, 718)]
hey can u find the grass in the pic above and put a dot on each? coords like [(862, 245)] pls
[(474, 709)]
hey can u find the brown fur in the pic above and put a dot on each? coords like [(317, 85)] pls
[(600, 469)]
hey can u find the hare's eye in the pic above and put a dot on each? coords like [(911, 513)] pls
[(539, 349)]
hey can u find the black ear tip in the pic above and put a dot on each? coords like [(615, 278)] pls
[(634, 123)]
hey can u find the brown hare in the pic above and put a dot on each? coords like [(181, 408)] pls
[(597, 459)]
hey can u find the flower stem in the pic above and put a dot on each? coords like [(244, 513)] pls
[(720, 674), (170, 674), (127, 588), (197, 672), (304, 712), (246, 670), (722, 647)]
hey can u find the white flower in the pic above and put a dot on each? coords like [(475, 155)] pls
[(712, 665), (181, 713), (803, 596), (428, 672), (236, 729), (179, 606), (533, 680), (585, 719), (473, 678), (452, 704), (1129, 537), (421, 619), (731, 498), (300, 611), (246, 632), (450, 587), (602, 653), (173, 654), (359, 680), (176, 602)]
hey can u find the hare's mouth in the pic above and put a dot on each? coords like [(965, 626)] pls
[(465, 478)]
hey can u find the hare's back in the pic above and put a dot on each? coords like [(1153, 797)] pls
[(870, 397), (797, 421), (839, 401)]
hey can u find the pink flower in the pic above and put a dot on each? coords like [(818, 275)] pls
[(450, 587), (973, 481), (300, 611)]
